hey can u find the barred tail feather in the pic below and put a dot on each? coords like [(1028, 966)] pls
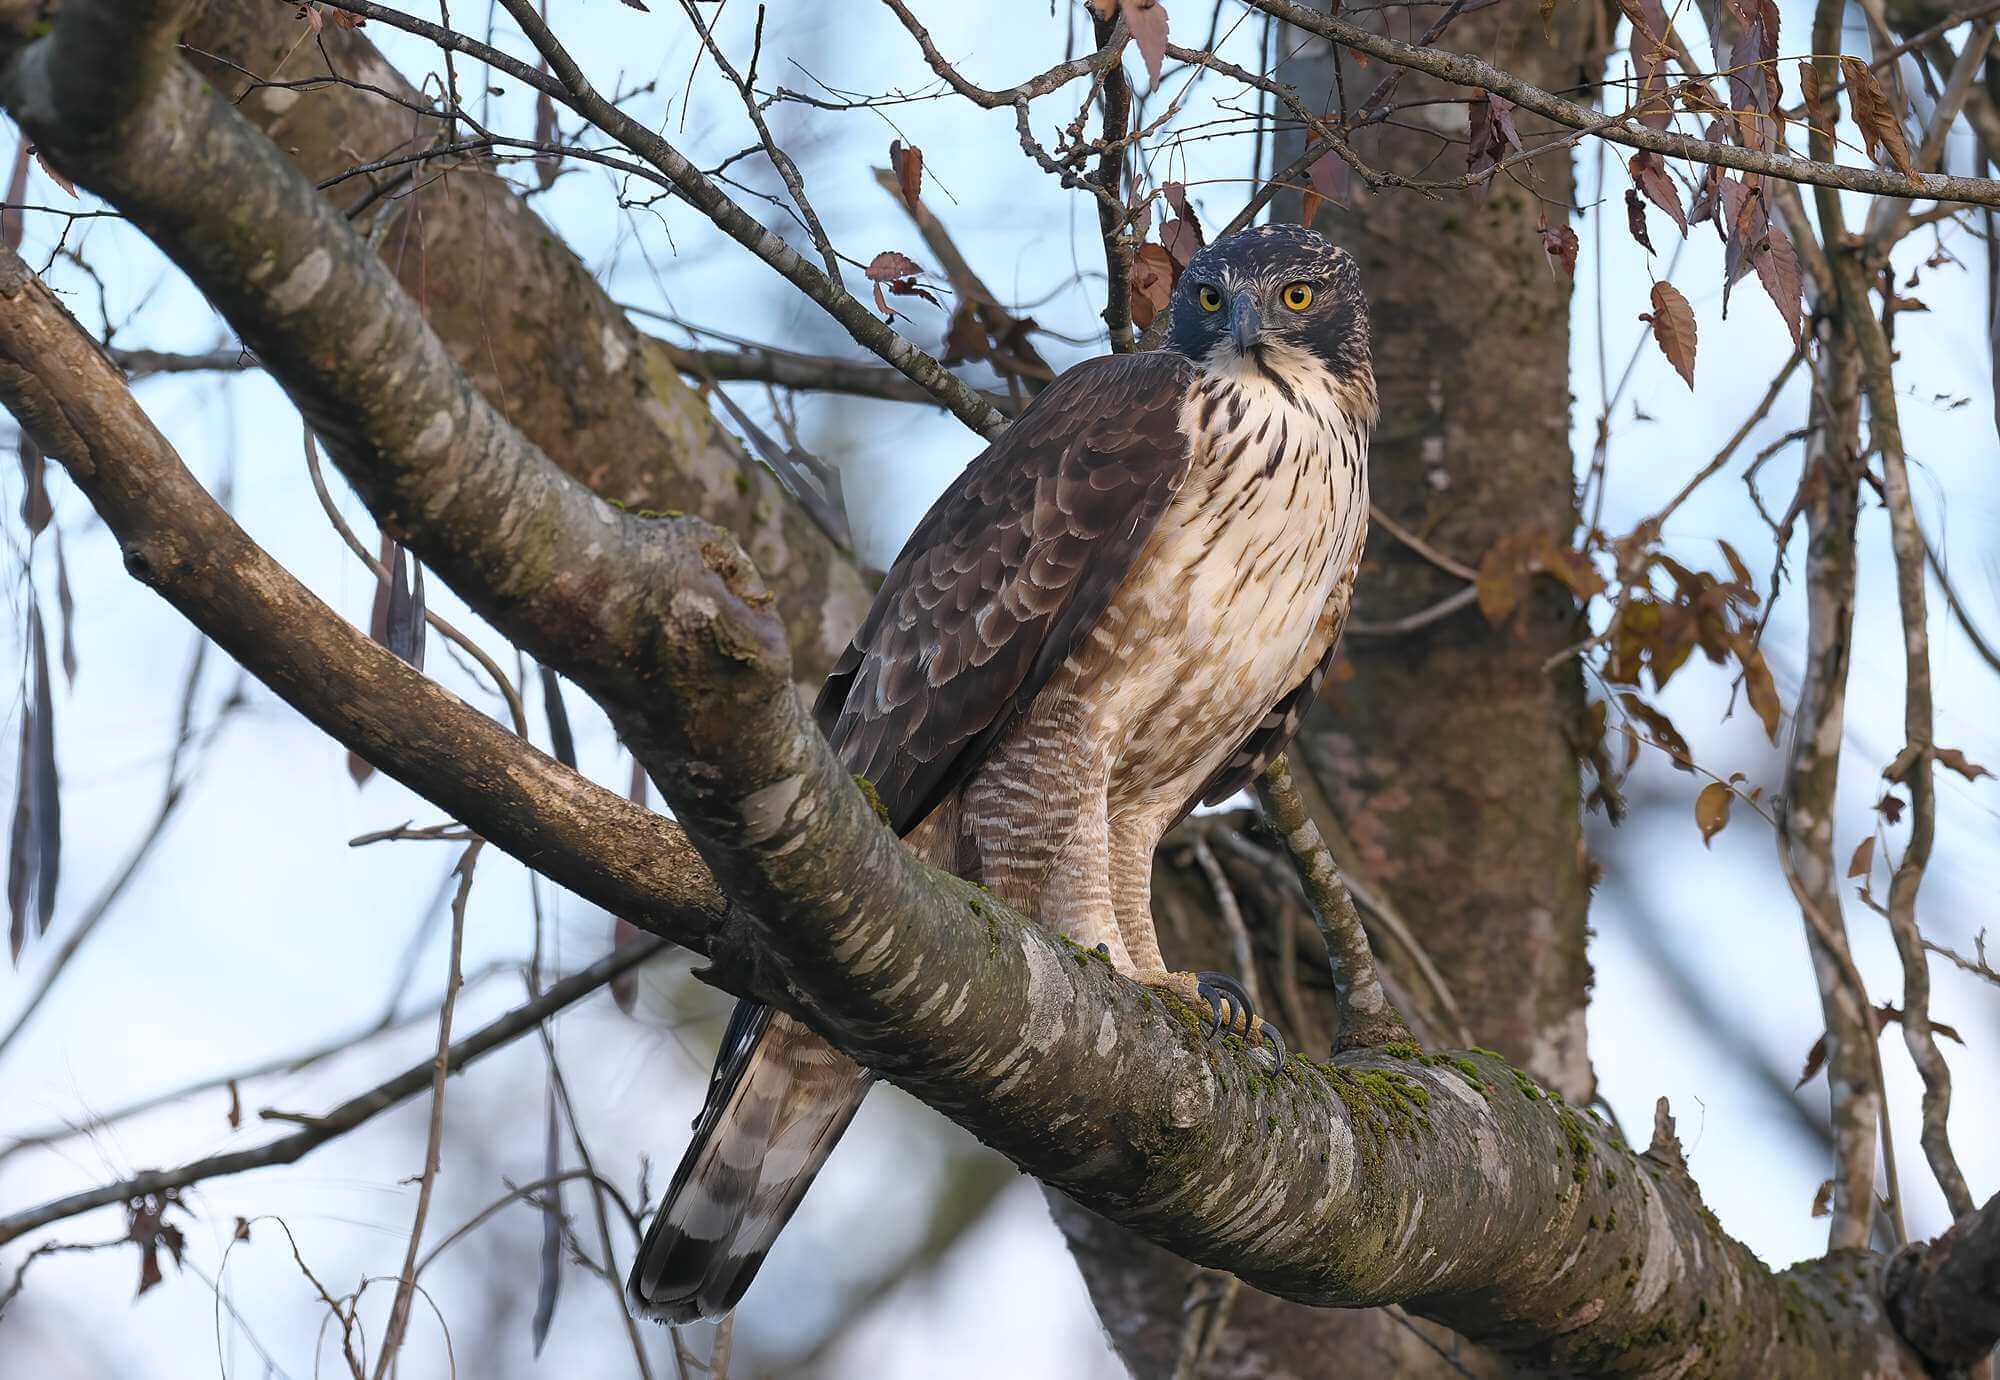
[(777, 1104)]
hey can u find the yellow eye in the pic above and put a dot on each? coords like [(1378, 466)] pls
[(1299, 296), (1210, 299)]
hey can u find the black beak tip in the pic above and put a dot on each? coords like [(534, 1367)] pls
[(1245, 325)]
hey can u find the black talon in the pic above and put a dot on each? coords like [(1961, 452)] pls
[(1224, 993)]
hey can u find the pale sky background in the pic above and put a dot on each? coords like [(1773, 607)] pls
[(256, 930)]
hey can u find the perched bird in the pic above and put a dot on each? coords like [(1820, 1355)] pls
[(1122, 608)]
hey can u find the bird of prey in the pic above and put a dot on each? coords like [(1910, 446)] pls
[(1123, 607)]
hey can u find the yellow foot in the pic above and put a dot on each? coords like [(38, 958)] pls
[(1228, 1005)]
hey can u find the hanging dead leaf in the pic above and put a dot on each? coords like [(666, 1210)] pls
[(1506, 572), (1147, 19), (1569, 565), (1819, 113), (1876, 118), (1652, 102), (1757, 683), (1736, 566), (1822, 1202), (1890, 807), (1559, 242), (907, 161), (1958, 762), (1177, 198), (1711, 810), (1776, 260), (889, 265), (1181, 239), (1490, 133), (49, 171), (1673, 325), (1332, 177), (898, 274), (1152, 283), (1635, 219), (1863, 860), (1649, 172), (1664, 734)]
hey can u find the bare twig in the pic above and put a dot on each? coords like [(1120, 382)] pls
[(399, 1311), (349, 1114), (1366, 1017)]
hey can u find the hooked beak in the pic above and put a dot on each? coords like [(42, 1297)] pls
[(1245, 324)]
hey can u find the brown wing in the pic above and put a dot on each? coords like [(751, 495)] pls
[(1004, 577)]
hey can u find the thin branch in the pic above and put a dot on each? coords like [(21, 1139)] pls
[(354, 1112), (804, 373), (1114, 93), (788, 170), (1366, 1018), (1464, 70), (399, 1309)]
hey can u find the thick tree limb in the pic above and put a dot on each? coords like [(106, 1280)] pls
[(498, 287), (1946, 1297)]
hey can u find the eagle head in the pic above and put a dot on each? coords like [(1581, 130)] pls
[(1270, 290)]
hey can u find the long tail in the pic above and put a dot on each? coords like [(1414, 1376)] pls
[(778, 1102)]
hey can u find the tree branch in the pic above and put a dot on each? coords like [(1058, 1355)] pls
[(1471, 71), (1946, 1297), (349, 1114)]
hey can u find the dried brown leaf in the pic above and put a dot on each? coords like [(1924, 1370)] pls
[(1673, 327), (1560, 243), (907, 160), (1635, 219), (1876, 117), (1177, 197), (1711, 810), (1649, 172), (49, 171), (889, 266), (1758, 685), (1152, 283), (1863, 860), (1148, 21), (1665, 735), (1958, 762), (1819, 112)]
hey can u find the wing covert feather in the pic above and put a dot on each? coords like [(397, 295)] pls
[(1005, 576)]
